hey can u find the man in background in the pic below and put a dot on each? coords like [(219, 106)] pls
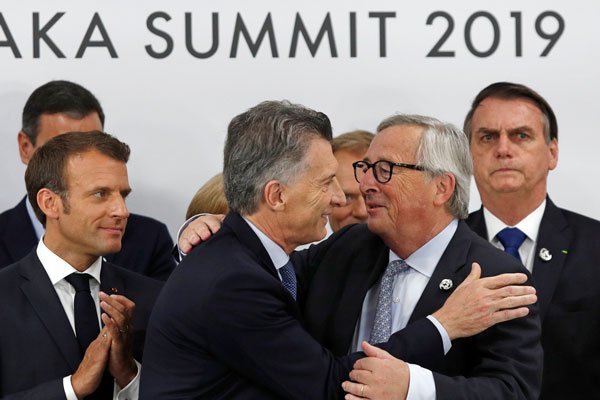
[(348, 148), (69, 329), (52, 109), (513, 137)]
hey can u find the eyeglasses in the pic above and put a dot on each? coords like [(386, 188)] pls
[(382, 169)]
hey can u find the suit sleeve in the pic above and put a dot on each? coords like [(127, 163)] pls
[(162, 262), (52, 390)]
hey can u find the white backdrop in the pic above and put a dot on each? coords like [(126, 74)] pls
[(173, 111)]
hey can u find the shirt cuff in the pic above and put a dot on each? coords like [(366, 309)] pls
[(68, 387), (180, 231), (421, 385), (132, 390), (447, 343)]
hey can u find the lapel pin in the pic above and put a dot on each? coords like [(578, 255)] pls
[(545, 254), (446, 284), (114, 290)]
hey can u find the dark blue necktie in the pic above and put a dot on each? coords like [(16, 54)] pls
[(86, 315), (288, 278), (511, 239)]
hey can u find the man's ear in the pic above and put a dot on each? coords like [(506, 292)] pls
[(26, 148), (445, 186), (274, 195), (49, 202)]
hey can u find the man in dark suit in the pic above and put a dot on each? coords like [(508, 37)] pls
[(415, 179), (514, 144), (51, 340), (227, 324), (52, 109)]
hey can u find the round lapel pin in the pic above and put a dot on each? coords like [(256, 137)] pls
[(545, 254), (446, 284)]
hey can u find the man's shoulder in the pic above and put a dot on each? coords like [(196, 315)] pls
[(17, 213), (141, 224), (493, 261), (580, 221)]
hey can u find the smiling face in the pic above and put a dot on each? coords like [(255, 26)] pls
[(311, 198), (91, 222), (403, 206), (355, 210), (510, 153)]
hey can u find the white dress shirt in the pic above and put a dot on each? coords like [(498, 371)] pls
[(276, 253), (530, 226), (408, 288), (57, 269)]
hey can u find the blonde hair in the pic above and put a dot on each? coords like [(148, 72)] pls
[(210, 198)]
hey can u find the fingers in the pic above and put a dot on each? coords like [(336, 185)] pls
[(498, 281), (118, 313), (507, 315), (374, 351), (515, 301), (474, 274), (355, 390)]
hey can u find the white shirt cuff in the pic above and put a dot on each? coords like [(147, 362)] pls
[(421, 385), (132, 390), (447, 343), (180, 231), (68, 386), (129, 392)]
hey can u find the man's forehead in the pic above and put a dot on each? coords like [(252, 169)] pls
[(52, 125), (395, 142), (494, 110)]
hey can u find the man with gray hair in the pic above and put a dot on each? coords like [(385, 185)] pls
[(227, 324), (371, 281)]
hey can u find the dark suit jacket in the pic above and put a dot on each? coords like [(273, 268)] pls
[(37, 344), (504, 362), (146, 245), (224, 327), (569, 296)]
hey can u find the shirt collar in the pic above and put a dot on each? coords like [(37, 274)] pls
[(276, 253), (37, 225), (57, 268), (530, 225), (427, 257)]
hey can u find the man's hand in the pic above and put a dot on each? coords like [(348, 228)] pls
[(199, 230), (478, 303), (379, 376), (117, 318), (89, 373)]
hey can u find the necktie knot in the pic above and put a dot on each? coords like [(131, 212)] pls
[(288, 278), (511, 239), (81, 282)]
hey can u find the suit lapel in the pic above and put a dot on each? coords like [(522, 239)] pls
[(476, 222), (248, 238), (110, 281), (449, 267), (21, 238), (38, 289), (364, 275), (555, 236)]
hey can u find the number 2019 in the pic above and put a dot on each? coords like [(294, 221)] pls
[(552, 37)]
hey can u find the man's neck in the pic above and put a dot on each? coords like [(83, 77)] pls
[(269, 227), (80, 262), (512, 208)]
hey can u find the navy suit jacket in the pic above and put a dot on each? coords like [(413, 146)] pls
[(568, 287), (503, 362), (225, 327), (146, 245), (37, 345)]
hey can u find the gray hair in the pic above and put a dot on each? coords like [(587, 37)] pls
[(268, 142), (443, 148)]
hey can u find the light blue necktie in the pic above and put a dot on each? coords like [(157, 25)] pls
[(382, 326), (511, 239), (288, 278)]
